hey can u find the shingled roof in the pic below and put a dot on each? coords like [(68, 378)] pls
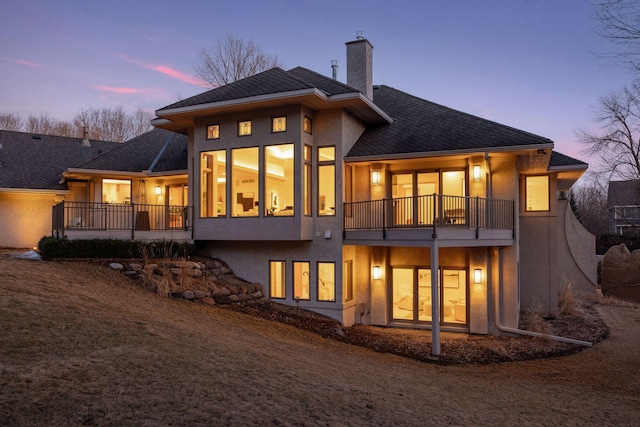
[(624, 193), (29, 161), (275, 80), (421, 126), (157, 151), (561, 161)]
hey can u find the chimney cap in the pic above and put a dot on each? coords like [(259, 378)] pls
[(359, 35)]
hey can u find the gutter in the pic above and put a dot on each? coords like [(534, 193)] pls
[(508, 329)]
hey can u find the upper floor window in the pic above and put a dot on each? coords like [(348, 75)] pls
[(307, 180), (213, 181), (279, 124), (213, 131), (307, 125), (279, 180), (326, 180), (244, 128), (537, 193), (245, 181)]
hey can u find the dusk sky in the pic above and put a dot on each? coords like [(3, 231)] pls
[(529, 64)]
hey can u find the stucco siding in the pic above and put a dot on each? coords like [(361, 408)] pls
[(26, 218)]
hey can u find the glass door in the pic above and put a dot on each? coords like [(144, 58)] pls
[(402, 194), (412, 299)]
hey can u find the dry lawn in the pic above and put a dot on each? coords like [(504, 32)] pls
[(83, 345)]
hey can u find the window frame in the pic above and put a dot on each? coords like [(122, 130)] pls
[(215, 125), (319, 281), (223, 212), (240, 122), (294, 280), (325, 163), (273, 124), (307, 179), (305, 128), (269, 210), (283, 278), (526, 194)]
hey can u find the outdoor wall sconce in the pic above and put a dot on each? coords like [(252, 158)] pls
[(158, 190), (375, 177), (377, 272), (477, 276), (477, 171)]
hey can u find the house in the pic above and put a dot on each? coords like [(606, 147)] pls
[(623, 204), (30, 168), (137, 191), (371, 205), (94, 188)]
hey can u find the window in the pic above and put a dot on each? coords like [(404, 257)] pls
[(307, 125), (244, 128), (245, 189), (326, 281), (279, 124), (537, 193), (301, 280), (279, 180), (277, 279), (347, 275), (213, 131), (326, 180), (213, 180), (307, 180), (116, 191)]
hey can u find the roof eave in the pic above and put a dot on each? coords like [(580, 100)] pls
[(400, 156)]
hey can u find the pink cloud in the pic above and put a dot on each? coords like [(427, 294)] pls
[(26, 63), (168, 71), (129, 90)]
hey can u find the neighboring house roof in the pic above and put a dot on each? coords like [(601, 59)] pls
[(562, 161), (156, 151), (623, 193), (421, 126), (34, 161)]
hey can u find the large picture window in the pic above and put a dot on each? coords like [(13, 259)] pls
[(326, 181), (245, 188), (279, 180), (537, 193), (213, 165)]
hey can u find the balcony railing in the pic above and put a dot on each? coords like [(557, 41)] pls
[(430, 211), (118, 217)]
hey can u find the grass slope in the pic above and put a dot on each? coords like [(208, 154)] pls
[(82, 345)]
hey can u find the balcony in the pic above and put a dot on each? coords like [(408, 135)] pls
[(454, 220), (85, 220)]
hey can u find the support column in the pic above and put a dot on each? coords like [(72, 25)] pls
[(435, 300)]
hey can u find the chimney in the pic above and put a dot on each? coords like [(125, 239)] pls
[(334, 68), (360, 65), (85, 137)]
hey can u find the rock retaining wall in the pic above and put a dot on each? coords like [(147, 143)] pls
[(208, 281)]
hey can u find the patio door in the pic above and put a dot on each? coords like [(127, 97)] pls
[(413, 204), (177, 202), (411, 295)]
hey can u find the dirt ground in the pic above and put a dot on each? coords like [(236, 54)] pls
[(82, 345)]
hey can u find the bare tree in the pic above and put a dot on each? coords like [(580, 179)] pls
[(619, 22), (11, 121), (618, 145), (112, 124), (232, 59), (590, 199), (109, 124)]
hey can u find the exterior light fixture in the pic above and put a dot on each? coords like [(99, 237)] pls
[(477, 276), (158, 190), (375, 177), (377, 272), (476, 172)]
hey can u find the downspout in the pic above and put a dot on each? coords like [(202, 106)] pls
[(508, 329)]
